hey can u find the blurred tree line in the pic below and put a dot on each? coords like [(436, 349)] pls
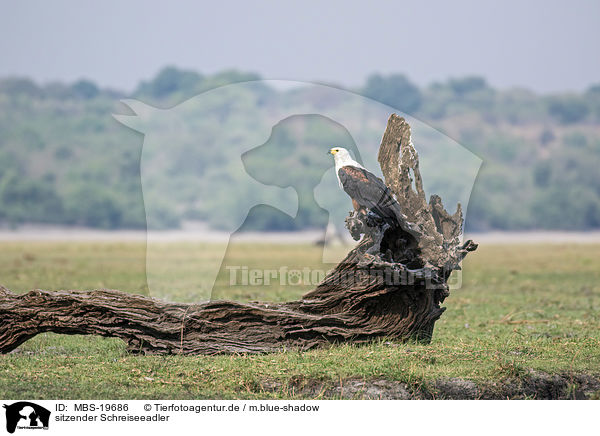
[(65, 160)]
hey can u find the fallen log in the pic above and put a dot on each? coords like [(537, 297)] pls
[(390, 285)]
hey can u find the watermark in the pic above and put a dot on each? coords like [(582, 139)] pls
[(242, 275), (284, 276), (91, 417), (252, 157)]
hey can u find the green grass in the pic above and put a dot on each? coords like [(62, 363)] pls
[(520, 308)]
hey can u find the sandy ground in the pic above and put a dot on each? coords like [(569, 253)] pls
[(202, 234), (194, 234), (552, 237)]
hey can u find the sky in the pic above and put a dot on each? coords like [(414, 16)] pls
[(546, 46)]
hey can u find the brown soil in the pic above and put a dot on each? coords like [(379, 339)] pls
[(533, 385)]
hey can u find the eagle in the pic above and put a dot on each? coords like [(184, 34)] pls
[(366, 190)]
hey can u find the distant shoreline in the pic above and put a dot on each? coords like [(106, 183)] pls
[(78, 234)]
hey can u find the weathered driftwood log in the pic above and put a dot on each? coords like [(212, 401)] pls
[(390, 285)]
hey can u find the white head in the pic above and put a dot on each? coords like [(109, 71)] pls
[(342, 157)]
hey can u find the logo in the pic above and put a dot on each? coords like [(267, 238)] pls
[(26, 415)]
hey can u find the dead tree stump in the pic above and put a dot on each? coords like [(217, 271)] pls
[(390, 285)]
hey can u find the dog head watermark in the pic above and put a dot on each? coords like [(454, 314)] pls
[(250, 157)]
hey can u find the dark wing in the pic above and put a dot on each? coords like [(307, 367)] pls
[(369, 191)]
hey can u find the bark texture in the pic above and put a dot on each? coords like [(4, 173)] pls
[(390, 285)]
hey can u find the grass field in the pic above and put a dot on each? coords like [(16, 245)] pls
[(520, 308)]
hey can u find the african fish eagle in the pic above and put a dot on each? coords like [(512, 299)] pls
[(366, 190)]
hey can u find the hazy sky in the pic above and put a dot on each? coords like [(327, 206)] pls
[(542, 45)]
